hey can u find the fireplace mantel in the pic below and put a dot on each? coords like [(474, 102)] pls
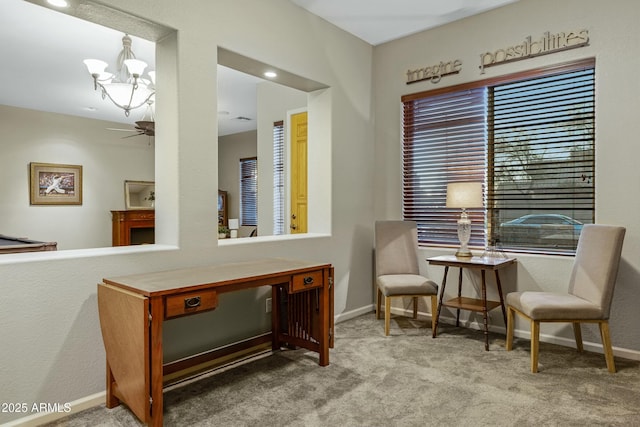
[(133, 227)]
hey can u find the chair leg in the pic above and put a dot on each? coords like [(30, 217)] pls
[(434, 314), (387, 315), (606, 346), (577, 332), (535, 340), (415, 307), (510, 321), (378, 303)]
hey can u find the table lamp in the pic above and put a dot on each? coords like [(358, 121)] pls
[(464, 195), (233, 227)]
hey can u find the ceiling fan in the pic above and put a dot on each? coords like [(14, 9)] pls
[(145, 126), (142, 127)]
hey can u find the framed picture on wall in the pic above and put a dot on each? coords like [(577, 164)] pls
[(55, 184), (222, 207)]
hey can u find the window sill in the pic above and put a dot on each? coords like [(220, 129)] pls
[(264, 239)]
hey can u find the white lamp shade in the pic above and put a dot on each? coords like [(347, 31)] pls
[(464, 195), (135, 66), (233, 224), (95, 66), (120, 93), (152, 75)]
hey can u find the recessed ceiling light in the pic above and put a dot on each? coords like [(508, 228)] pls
[(270, 74), (58, 3)]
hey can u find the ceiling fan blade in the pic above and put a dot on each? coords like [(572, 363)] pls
[(131, 136), (142, 127), (122, 130)]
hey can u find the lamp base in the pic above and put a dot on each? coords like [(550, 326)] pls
[(464, 254), (464, 234)]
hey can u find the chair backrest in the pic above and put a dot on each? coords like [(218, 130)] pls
[(596, 264), (396, 249)]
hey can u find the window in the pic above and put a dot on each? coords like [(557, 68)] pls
[(278, 178), (444, 141), (249, 191), (528, 137)]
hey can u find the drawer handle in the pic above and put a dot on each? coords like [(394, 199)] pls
[(308, 281), (192, 302)]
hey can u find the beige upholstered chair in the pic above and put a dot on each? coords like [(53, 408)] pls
[(590, 292), (397, 271)]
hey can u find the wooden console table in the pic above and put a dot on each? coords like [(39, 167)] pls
[(132, 310), (472, 304)]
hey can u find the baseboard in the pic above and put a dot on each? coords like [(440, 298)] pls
[(76, 406), (624, 353), (552, 339), (353, 313)]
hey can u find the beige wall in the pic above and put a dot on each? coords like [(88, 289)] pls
[(52, 351), (614, 39)]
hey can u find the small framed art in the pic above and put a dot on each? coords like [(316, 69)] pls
[(55, 184)]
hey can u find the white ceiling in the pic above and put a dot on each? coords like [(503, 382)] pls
[(42, 53), (380, 21)]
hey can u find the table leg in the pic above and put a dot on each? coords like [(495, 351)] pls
[(112, 400), (157, 313), (485, 313), (275, 317), (332, 325), (324, 321), (459, 295), (504, 309), (444, 284)]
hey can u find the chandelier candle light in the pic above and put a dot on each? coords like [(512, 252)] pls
[(464, 195), (128, 90)]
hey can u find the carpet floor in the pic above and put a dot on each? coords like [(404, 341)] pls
[(405, 379)]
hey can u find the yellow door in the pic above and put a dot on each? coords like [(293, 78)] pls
[(298, 134)]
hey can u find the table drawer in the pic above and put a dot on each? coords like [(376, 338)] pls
[(190, 303), (304, 281)]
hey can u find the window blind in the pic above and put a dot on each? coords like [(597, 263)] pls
[(249, 191), (278, 177), (543, 159), (443, 141)]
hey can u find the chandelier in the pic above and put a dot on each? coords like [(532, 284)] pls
[(127, 89)]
